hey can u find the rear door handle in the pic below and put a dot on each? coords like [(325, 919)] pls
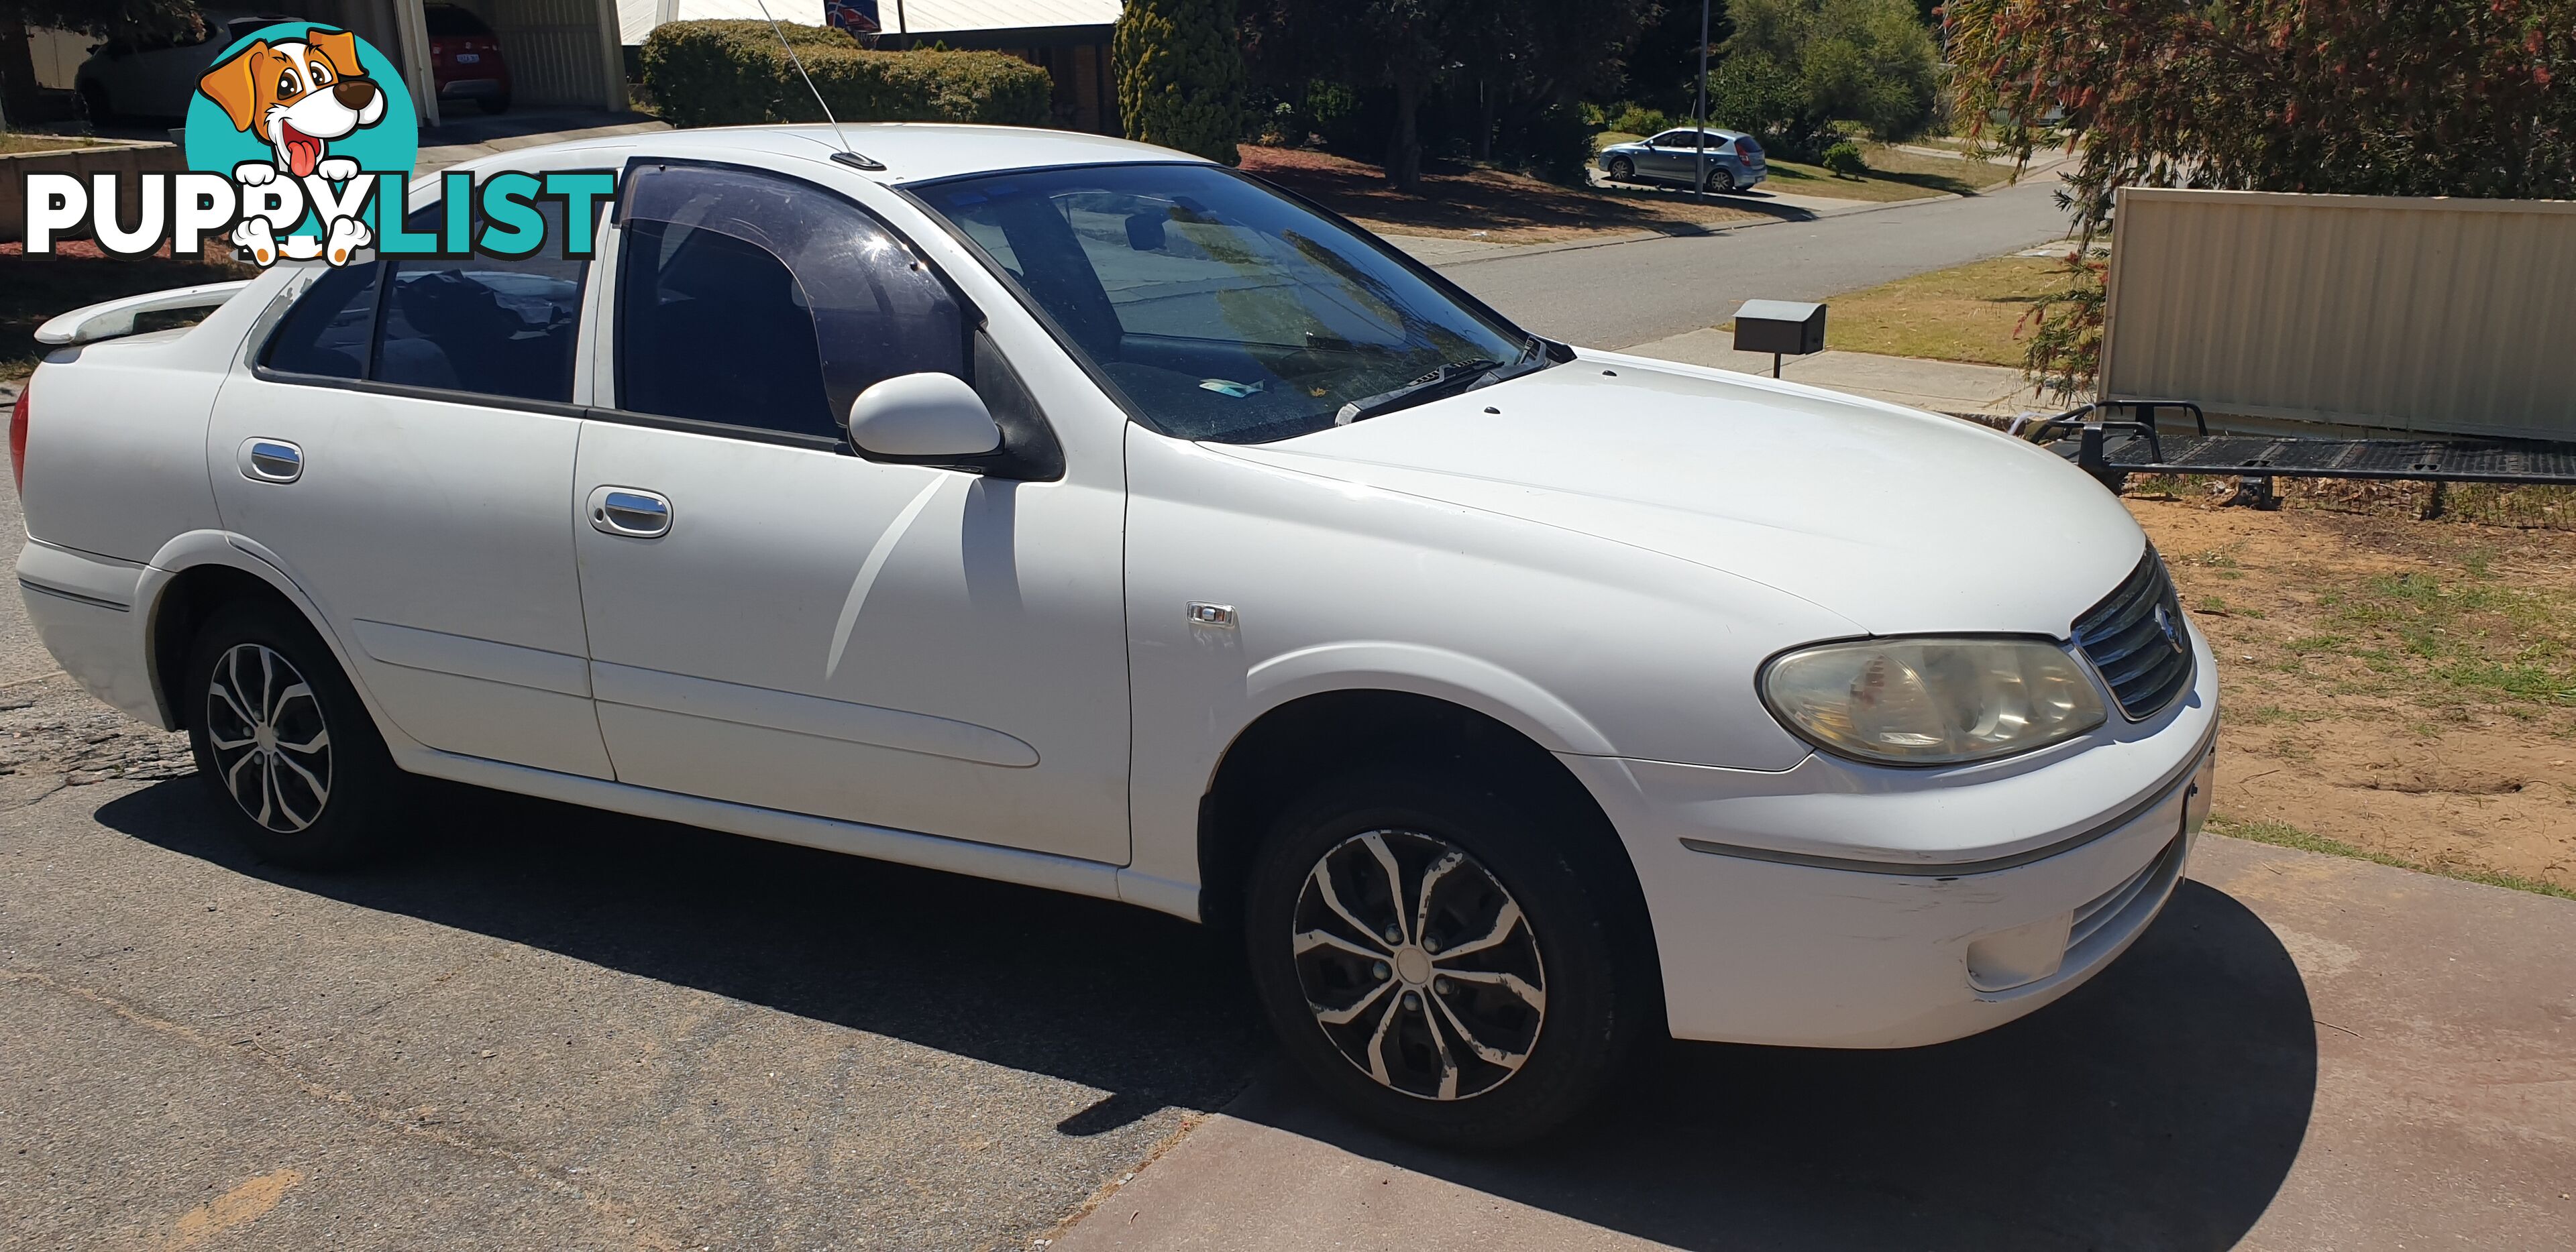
[(270, 460), (630, 511)]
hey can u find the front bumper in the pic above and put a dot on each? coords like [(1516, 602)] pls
[(1840, 906)]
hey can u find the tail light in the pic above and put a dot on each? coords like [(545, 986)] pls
[(18, 436)]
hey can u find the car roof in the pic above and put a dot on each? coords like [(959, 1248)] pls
[(1710, 130), (912, 152)]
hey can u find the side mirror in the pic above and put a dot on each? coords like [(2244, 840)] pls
[(922, 418)]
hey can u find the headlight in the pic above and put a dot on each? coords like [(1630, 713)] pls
[(1932, 701)]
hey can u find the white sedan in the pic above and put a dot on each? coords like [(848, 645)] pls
[(1060, 510)]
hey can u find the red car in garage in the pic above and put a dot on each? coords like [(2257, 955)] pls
[(465, 58)]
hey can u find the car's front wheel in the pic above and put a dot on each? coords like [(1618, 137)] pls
[(1623, 170), (1440, 958), (285, 744)]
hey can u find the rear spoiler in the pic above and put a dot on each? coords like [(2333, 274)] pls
[(113, 319)]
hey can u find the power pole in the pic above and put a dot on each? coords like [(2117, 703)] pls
[(1699, 112)]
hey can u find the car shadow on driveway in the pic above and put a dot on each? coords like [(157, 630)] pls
[(2159, 1106), (1135, 1003)]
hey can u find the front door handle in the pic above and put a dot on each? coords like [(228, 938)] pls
[(630, 511), (270, 460)]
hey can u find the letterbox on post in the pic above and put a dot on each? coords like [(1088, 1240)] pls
[(1780, 327)]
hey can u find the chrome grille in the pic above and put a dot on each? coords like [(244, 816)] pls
[(2135, 636)]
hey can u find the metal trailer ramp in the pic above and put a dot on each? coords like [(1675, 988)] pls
[(2112, 448)]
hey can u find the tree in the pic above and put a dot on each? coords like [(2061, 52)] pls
[(113, 18), (2425, 97), (1870, 61), (1749, 91), (1544, 52), (2428, 97), (1180, 75), (1663, 68)]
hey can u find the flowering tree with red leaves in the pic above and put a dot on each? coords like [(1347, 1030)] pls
[(2368, 97)]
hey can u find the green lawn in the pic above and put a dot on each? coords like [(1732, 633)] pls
[(1969, 313)]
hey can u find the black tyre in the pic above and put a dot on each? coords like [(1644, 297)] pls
[(282, 740), (1443, 959), (1623, 170), (1721, 181)]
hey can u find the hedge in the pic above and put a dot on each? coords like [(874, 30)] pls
[(731, 73)]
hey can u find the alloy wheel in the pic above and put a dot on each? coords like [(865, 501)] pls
[(271, 746), (1418, 965)]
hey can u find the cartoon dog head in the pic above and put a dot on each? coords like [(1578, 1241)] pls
[(298, 95)]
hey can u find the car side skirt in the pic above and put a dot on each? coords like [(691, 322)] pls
[(884, 843)]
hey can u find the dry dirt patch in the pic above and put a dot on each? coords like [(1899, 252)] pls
[(2408, 688)]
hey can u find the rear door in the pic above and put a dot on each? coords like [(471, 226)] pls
[(402, 448)]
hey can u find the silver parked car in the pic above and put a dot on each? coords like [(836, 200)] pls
[(1734, 159)]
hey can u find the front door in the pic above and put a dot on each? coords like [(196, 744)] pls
[(402, 448), (1660, 160), (775, 621)]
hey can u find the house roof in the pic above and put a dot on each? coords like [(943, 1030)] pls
[(637, 18)]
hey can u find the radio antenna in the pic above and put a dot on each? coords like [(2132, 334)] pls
[(847, 155)]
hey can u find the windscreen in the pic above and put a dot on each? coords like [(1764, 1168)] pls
[(1219, 308)]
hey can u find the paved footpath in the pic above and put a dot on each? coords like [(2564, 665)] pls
[(2306, 1052)]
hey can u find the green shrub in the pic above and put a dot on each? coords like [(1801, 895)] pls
[(1180, 75), (920, 86), (719, 73), (1844, 159), (1637, 119), (1552, 142)]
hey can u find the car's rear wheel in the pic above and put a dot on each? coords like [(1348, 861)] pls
[(1436, 956), (286, 745), (1623, 170), (1721, 181)]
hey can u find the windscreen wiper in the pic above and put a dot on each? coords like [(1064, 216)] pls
[(1454, 376)]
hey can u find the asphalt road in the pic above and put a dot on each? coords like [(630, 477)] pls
[(1630, 293), (556, 1028)]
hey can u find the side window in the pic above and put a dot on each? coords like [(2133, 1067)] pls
[(714, 328), (760, 302), (483, 325), (478, 326), (327, 332)]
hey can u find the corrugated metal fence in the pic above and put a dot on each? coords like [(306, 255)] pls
[(562, 52), (2438, 315)]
